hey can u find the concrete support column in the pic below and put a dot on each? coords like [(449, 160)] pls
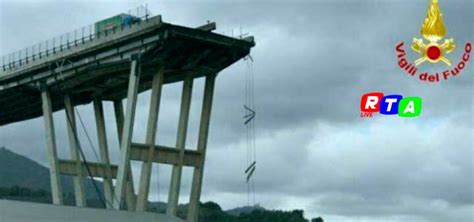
[(51, 146), (119, 118), (193, 209), (173, 196), (130, 190), (150, 140), (104, 150), (74, 145), (124, 162)]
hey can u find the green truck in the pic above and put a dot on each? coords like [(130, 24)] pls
[(116, 22)]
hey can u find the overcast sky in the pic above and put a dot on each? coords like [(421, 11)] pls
[(312, 63)]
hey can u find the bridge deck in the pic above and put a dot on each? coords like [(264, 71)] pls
[(100, 67)]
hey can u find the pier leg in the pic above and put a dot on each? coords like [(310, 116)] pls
[(196, 188), (150, 140), (104, 150), (130, 190), (74, 147), (173, 196), (51, 146), (124, 162)]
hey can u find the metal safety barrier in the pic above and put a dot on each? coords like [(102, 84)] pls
[(66, 41)]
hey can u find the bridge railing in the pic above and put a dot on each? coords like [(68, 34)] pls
[(64, 42)]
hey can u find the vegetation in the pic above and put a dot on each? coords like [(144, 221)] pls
[(21, 193), (25, 180), (209, 212)]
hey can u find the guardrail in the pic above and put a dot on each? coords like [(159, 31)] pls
[(65, 41)]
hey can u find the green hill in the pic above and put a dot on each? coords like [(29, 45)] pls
[(17, 170), (23, 179)]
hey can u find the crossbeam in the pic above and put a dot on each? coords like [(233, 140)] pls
[(68, 167), (165, 155), (139, 151)]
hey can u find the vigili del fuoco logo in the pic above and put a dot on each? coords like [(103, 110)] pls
[(433, 48)]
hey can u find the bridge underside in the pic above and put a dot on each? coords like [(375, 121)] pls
[(181, 51)]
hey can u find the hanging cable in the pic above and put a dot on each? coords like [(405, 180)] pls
[(248, 114), (253, 125), (249, 123), (91, 145)]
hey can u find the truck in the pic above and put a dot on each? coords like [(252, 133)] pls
[(115, 22)]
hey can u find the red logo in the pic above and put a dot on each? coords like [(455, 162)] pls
[(370, 102)]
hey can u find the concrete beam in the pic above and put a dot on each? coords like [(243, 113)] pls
[(104, 150), (162, 155), (193, 209), (211, 26), (51, 146), (68, 167), (124, 163), (175, 185), (130, 192), (150, 139), (165, 155), (119, 118), (74, 145)]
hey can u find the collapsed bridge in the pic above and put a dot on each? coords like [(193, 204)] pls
[(114, 65)]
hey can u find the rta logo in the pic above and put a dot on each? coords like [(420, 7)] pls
[(389, 105)]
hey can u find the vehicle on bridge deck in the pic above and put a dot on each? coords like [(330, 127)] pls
[(120, 20)]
